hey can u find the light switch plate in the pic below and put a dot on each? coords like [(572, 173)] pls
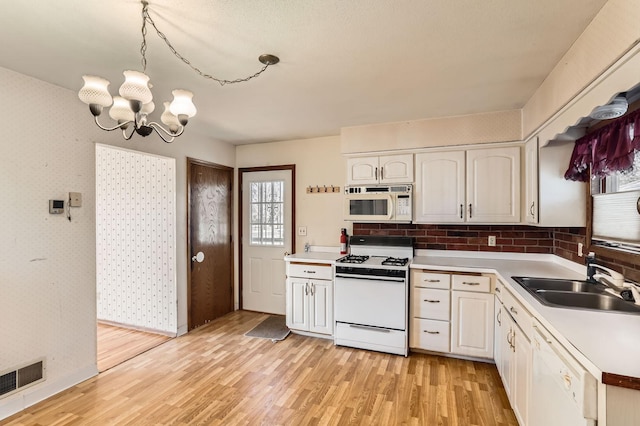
[(491, 241), (75, 199)]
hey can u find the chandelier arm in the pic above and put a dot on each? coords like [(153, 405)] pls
[(160, 130), (147, 18), (124, 133), (109, 129)]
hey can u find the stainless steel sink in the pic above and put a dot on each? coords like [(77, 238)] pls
[(575, 294), (559, 285)]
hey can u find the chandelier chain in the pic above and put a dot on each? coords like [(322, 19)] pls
[(143, 49)]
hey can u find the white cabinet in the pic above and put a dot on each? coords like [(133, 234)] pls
[(440, 187), (549, 199), (451, 313), (531, 203), (472, 323), (309, 302), (380, 170), (430, 311), (478, 185), (516, 355)]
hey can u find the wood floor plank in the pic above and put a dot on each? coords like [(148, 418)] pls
[(217, 376), (119, 344)]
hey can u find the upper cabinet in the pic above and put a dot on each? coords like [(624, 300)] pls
[(531, 203), (479, 185), (549, 199), (383, 169)]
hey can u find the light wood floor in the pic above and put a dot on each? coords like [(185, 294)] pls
[(117, 344), (215, 375)]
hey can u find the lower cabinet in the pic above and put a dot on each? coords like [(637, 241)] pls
[(515, 359), (472, 323), (309, 297), (310, 305)]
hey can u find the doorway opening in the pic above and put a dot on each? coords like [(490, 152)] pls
[(136, 289)]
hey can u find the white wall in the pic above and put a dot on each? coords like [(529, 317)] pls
[(47, 264), (318, 162)]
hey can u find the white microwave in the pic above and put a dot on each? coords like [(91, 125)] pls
[(388, 203)]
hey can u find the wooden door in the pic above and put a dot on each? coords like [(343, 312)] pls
[(210, 289), (493, 185), (440, 187)]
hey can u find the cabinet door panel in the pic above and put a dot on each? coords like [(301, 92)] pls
[(531, 181), (507, 358), (362, 170), (321, 307), (396, 168), (522, 376), (440, 187), (497, 333), (472, 323), (297, 305), (493, 185)]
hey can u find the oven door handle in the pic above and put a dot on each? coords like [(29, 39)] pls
[(371, 278)]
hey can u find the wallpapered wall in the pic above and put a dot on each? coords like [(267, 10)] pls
[(136, 239)]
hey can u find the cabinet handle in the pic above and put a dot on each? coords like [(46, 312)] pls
[(310, 272), (509, 337), (364, 327), (431, 281), (306, 289), (376, 173), (512, 309), (498, 290), (381, 173), (470, 283), (431, 301), (461, 210), (533, 215), (431, 332), (513, 342), (470, 211), (498, 317)]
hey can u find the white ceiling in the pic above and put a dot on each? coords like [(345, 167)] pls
[(343, 62)]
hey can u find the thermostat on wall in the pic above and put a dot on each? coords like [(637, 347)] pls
[(56, 206)]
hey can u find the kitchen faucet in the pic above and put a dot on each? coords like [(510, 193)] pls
[(612, 279)]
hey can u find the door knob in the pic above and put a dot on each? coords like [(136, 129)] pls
[(199, 257)]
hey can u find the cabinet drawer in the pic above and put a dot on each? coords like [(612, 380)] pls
[(519, 314), (377, 339), (430, 303), (429, 335), (430, 280), (471, 283), (310, 270)]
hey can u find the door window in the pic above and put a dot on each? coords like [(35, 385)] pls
[(267, 213)]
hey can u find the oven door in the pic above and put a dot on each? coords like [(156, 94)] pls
[(371, 301), (369, 207)]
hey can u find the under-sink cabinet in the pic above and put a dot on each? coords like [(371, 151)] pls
[(309, 298), (451, 313)]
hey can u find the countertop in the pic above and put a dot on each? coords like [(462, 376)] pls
[(606, 343), (314, 257)]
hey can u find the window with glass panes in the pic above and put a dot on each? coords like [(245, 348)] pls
[(266, 204)]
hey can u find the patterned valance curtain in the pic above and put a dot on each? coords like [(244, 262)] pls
[(607, 150)]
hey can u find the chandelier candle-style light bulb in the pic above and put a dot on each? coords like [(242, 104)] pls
[(135, 102)]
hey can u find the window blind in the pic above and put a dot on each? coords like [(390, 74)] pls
[(616, 218)]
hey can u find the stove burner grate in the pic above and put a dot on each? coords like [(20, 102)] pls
[(395, 261), (352, 258)]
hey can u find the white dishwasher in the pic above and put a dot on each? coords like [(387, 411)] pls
[(563, 393)]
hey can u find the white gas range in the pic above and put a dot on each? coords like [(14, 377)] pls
[(371, 294)]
